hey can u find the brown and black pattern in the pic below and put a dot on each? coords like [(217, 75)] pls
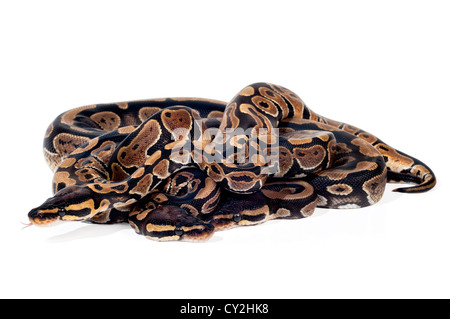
[(140, 162)]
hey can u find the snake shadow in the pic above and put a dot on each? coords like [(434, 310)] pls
[(389, 195), (89, 231), (100, 230)]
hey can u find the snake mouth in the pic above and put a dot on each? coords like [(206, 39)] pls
[(43, 217)]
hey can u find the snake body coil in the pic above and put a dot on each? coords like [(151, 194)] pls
[(172, 170)]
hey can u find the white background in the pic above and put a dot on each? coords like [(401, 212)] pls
[(380, 65)]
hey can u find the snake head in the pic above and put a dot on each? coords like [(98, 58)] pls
[(167, 223), (71, 203)]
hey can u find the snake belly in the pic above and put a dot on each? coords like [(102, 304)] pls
[(172, 170)]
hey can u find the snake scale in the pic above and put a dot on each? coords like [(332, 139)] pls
[(172, 169)]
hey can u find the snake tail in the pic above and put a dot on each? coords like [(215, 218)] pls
[(403, 168)]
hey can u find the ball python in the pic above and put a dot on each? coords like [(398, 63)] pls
[(182, 168)]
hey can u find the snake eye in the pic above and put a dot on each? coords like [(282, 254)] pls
[(237, 218), (61, 212), (179, 231)]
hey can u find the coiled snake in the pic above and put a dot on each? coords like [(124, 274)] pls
[(180, 168)]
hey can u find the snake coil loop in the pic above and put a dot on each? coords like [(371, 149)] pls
[(180, 168)]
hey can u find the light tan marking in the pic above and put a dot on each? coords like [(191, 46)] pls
[(350, 129), (119, 188), (215, 114), (102, 217), (122, 105), (293, 98), (215, 172), (62, 178), (146, 112), (248, 91), (68, 162), (86, 174), (339, 174), (175, 119), (135, 154), (104, 205), (243, 181), (108, 121), (375, 186), (162, 169), (311, 157), (276, 98), (75, 207), (140, 215), (308, 210), (139, 172), (126, 129), (177, 182), (91, 163), (49, 131), (65, 143), (396, 162), (341, 148), (124, 206), (53, 159), (266, 105), (286, 160), (289, 193), (190, 209), (254, 212), (281, 213), (105, 151), (153, 158), (368, 137), (48, 211), (419, 170), (340, 189), (134, 226), (69, 117), (91, 144), (232, 121), (143, 186), (261, 120), (160, 198), (210, 205), (158, 228), (118, 173), (365, 148), (333, 123)]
